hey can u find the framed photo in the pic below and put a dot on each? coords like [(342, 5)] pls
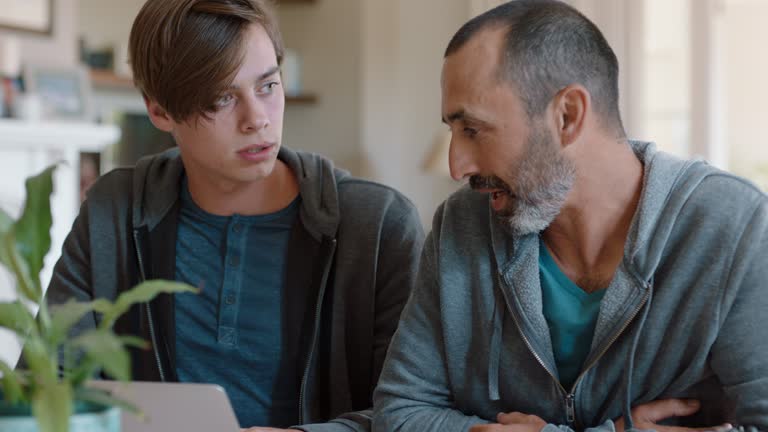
[(64, 93), (34, 16)]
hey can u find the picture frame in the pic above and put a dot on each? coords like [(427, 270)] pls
[(65, 93), (32, 16)]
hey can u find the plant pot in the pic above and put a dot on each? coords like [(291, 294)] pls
[(88, 418)]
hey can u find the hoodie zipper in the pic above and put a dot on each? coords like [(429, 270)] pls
[(570, 397), (616, 336), (316, 330), (152, 335)]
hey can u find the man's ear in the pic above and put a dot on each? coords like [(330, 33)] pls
[(571, 105), (159, 116)]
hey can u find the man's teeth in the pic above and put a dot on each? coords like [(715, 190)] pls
[(256, 150)]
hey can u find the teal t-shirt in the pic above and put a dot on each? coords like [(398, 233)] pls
[(234, 332), (571, 314)]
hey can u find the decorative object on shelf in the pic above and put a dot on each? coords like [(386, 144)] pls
[(101, 57), (10, 89), (291, 73), (34, 16), (121, 66), (65, 93), (436, 161), (48, 393), (10, 69)]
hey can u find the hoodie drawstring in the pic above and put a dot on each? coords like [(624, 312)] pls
[(628, 423)]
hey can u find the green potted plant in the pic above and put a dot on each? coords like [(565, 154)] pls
[(50, 394)]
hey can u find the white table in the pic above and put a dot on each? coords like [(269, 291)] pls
[(26, 148)]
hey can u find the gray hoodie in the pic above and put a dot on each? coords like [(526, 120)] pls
[(681, 317), (351, 261)]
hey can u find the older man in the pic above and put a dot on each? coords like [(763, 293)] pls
[(582, 278)]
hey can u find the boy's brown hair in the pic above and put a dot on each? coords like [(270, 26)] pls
[(185, 53)]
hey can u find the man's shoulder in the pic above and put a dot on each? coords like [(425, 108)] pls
[(721, 190)]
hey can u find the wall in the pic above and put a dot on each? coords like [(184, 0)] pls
[(403, 44), (106, 23), (326, 34)]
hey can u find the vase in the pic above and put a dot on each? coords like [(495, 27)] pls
[(92, 420)]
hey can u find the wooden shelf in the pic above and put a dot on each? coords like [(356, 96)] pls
[(105, 78), (302, 99)]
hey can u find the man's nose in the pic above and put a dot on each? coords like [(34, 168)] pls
[(460, 159)]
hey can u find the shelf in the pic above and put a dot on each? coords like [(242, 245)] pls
[(302, 99), (105, 78)]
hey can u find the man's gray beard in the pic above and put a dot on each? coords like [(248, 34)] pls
[(543, 180)]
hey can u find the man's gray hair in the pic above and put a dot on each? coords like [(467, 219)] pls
[(550, 45)]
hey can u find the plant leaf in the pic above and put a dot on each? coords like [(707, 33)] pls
[(134, 342), (64, 316), (107, 351), (141, 293), (84, 370), (52, 406), (12, 259), (42, 363), (32, 231), (102, 397), (16, 317), (12, 388), (6, 222)]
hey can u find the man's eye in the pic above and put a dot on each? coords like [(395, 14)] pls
[(223, 100), (470, 132)]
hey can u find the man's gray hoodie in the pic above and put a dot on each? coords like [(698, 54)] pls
[(351, 261), (680, 319)]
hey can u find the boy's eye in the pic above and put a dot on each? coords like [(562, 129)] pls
[(268, 87), (223, 100)]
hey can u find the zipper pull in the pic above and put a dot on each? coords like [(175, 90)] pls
[(570, 409)]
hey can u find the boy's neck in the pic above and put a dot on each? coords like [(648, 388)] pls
[(268, 195)]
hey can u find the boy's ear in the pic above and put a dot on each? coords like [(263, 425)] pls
[(159, 116)]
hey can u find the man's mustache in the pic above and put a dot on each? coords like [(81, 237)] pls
[(490, 182)]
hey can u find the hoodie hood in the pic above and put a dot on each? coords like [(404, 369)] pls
[(157, 180), (668, 182)]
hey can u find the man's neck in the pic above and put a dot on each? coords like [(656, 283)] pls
[(268, 195), (587, 239)]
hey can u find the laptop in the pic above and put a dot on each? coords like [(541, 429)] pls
[(168, 407)]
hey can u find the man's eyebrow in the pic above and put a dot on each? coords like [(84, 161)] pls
[(455, 116), (271, 71)]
